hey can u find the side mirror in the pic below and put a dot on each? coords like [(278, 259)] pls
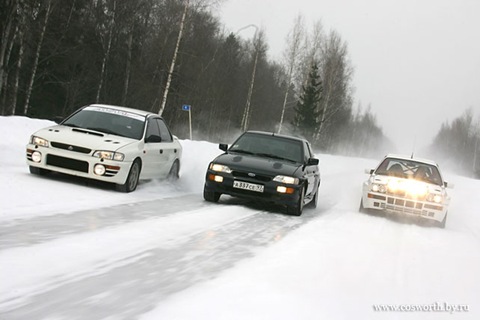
[(223, 146), (153, 139), (369, 171), (313, 162), (448, 185), (58, 119)]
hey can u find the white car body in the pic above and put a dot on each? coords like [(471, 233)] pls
[(72, 146), (406, 193)]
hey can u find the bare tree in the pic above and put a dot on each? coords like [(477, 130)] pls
[(109, 35), (294, 42), (174, 59), (37, 56)]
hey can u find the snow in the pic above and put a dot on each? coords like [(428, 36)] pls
[(61, 237)]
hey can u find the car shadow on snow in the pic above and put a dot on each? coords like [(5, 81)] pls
[(402, 219)]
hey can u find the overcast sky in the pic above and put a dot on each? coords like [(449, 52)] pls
[(417, 62)]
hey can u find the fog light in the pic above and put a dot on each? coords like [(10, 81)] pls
[(283, 189), (36, 156), (99, 169), (218, 178)]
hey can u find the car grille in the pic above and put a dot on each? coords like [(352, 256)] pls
[(245, 175), (65, 146), (67, 163)]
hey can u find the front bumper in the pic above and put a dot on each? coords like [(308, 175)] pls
[(404, 206), (269, 194), (77, 164)]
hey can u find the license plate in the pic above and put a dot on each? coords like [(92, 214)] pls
[(248, 186)]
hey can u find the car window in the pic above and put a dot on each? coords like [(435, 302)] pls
[(164, 132), (409, 169), (273, 146), (153, 131), (307, 151)]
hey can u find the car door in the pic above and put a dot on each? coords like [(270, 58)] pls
[(311, 171), (155, 160), (170, 149)]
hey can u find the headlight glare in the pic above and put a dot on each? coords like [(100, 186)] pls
[(220, 168), (109, 155), (286, 179), (378, 188), (39, 141)]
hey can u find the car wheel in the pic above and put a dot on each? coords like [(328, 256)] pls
[(314, 202), (132, 179), (297, 209), (361, 208), (211, 196), (443, 223), (174, 170), (39, 171)]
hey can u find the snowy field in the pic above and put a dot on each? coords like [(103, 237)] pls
[(73, 249)]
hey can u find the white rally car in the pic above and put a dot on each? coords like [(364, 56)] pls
[(406, 186), (108, 143)]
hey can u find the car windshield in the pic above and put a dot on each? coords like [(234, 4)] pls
[(409, 169), (110, 121), (269, 146)]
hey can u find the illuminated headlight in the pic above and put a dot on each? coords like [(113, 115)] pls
[(39, 141), (109, 155), (99, 169), (220, 168), (437, 198), (416, 189), (379, 188), (286, 179)]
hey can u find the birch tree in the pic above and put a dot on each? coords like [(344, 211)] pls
[(43, 28), (292, 52), (174, 58)]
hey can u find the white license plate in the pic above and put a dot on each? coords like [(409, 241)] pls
[(248, 186)]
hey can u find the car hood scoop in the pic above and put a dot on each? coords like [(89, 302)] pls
[(83, 138)]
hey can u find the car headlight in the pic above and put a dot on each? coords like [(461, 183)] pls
[(437, 198), (286, 179), (39, 141), (376, 187), (220, 168), (109, 155)]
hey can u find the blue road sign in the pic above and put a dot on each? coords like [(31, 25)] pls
[(186, 107)]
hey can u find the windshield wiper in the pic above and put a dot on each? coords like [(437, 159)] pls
[(273, 156), (101, 130), (71, 125), (241, 151)]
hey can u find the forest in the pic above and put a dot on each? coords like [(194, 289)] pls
[(158, 55)]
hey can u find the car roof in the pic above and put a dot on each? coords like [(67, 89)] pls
[(272, 134), (412, 158), (126, 109)]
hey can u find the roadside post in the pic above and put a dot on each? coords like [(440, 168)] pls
[(187, 107)]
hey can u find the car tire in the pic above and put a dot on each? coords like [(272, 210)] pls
[(314, 202), (132, 178), (38, 171), (297, 209), (211, 196), (361, 209), (443, 223), (173, 174)]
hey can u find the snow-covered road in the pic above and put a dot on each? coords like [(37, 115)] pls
[(71, 250)]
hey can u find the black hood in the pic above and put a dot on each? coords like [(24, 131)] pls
[(258, 164)]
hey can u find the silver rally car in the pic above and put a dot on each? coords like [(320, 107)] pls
[(407, 186), (108, 143)]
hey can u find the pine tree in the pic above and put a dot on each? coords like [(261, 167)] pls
[(306, 117)]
